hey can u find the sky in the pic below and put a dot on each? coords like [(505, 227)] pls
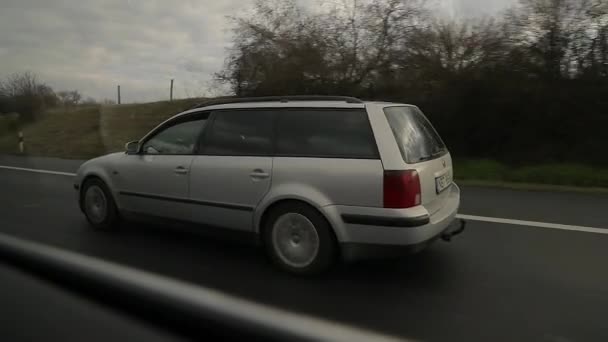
[(94, 45)]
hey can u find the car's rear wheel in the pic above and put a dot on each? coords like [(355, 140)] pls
[(298, 239), (99, 206)]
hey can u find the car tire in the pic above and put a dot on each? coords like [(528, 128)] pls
[(298, 239), (99, 206)]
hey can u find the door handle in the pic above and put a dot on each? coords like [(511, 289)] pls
[(180, 170), (259, 174)]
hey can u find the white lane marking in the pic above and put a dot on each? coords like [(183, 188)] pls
[(534, 224), (462, 216), (38, 171)]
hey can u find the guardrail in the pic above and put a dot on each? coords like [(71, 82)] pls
[(182, 308)]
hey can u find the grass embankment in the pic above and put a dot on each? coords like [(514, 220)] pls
[(124, 123), (67, 133), (86, 132)]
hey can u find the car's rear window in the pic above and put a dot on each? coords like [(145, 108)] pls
[(325, 133), (416, 137)]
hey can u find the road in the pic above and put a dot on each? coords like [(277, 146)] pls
[(499, 282)]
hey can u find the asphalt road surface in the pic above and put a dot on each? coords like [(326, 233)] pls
[(496, 282)]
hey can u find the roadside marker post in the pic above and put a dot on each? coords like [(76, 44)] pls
[(21, 142)]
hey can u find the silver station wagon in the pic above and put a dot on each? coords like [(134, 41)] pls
[(313, 178)]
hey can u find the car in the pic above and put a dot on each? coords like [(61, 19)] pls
[(313, 178)]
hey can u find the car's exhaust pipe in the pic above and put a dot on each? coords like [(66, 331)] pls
[(448, 235)]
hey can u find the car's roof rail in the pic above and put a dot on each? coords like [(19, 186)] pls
[(230, 100)]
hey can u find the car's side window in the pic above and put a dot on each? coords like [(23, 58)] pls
[(178, 138), (325, 133), (240, 133)]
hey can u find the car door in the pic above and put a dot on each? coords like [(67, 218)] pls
[(232, 172), (155, 181)]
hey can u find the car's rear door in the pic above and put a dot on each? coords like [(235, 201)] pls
[(233, 170), (156, 180), (423, 150), (329, 156)]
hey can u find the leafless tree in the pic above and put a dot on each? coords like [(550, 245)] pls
[(24, 94), (69, 98)]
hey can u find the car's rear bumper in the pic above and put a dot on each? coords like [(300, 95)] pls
[(361, 229), (356, 251)]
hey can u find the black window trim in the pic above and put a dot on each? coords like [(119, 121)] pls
[(172, 122)]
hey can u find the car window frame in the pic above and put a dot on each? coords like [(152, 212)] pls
[(277, 112), (211, 122), (170, 123)]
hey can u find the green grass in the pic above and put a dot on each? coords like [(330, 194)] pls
[(531, 186), (564, 174)]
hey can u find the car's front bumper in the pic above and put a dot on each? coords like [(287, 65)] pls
[(362, 228)]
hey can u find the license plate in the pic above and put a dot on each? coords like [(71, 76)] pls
[(443, 182)]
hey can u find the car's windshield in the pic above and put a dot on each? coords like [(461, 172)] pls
[(432, 170)]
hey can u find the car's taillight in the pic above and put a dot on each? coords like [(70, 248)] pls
[(401, 189)]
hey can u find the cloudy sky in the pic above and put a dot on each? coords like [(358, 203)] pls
[(93, 45)]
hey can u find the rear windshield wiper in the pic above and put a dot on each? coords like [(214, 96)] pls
[(438, 153), (421, 159), (429, 157)]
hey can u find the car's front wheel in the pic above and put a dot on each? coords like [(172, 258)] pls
[(99, 206), (298, 239)]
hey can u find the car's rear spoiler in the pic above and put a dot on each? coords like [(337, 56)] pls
[(182, 308)]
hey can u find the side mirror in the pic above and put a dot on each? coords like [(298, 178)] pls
[(132, 147)]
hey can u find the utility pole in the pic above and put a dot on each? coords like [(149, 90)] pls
[(171, 93), (118, 94)]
